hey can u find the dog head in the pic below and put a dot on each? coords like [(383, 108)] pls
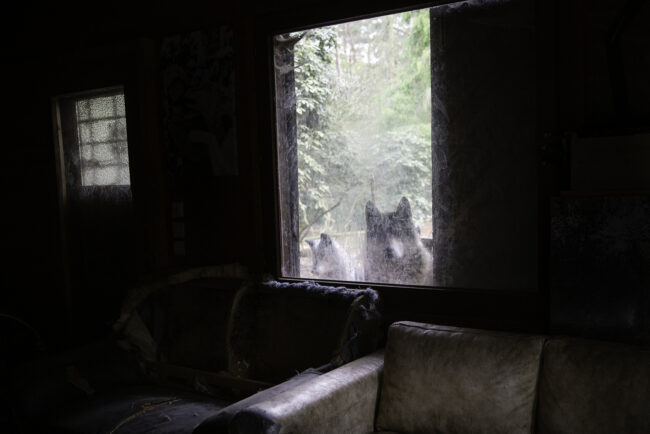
[(390, 234), (327, 261)]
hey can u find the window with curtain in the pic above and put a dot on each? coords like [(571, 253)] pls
[(407, 148)]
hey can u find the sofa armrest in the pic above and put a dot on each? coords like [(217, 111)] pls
[(218, 423), (342, 401)]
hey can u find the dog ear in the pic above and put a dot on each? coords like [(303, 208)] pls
[(372, 213), (311, 243), (325, 239), (404, 209)]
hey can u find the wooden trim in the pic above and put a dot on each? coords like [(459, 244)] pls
[(62, 199), (327, 14)]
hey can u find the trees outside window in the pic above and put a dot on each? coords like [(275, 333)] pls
[(363, 129), (408, 149)]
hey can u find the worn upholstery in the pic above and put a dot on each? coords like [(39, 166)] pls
[(218, 422), (278, 329), (448, 380), (207, 343), (593, 387), (340, 401), (444, 379)]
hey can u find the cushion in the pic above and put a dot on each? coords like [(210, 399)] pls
[(594, 387), (446, 379), (278, 329)]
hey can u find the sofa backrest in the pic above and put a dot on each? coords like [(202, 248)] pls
[(446, 379), (182, 319), (593, 387), (219, 320), (278, 329), (189, 322)]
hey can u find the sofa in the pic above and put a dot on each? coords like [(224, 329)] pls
[(439, 379), (192, 349)]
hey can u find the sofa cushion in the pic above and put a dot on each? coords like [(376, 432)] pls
[(593, 387), (278, 329), (445, 379)]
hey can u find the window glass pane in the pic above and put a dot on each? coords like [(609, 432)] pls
[(103, 149), (362, 95), (407, 148), (119, 105), (105, 153), (83, 109), (103, 107), (105, 175), (99, 131)]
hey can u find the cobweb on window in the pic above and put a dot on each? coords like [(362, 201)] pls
[(103, 147)]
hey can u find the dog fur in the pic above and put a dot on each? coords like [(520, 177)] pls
[(394, 251), (330, 260)]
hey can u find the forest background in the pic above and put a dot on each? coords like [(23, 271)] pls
[(363, 103)]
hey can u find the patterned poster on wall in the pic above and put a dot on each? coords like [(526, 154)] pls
[(198, 78)]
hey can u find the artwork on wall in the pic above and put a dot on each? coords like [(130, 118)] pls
[(198, 79)]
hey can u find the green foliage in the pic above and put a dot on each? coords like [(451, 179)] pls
[(402, 167), (363, 103), (324, 168)]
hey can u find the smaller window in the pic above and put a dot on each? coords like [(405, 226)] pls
[(103, 147)]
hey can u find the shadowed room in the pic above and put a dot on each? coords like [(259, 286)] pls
[(327, 217)]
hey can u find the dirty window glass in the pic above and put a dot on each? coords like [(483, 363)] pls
[(407, 148), (102, 138), (356, 98)]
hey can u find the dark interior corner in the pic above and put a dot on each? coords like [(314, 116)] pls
[(63, 281)]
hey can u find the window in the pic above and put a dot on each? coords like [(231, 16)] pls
[(99, 236), (363, 134), (406, 148), (103, 147)]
